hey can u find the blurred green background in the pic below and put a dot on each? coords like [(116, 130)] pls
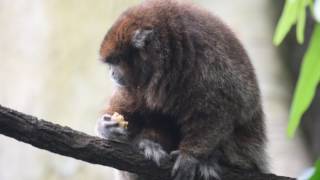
[(49, 68)]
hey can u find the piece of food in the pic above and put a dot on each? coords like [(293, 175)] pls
[(120, 119)]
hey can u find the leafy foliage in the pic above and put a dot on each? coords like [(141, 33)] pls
[(316, 175), (294, 12), (307, 82)]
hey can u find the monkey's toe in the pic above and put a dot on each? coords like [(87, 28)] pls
[(187, 167), (174, 154), (152, 151), (208, 172)]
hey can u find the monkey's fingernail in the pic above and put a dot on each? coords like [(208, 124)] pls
[(106, 118)]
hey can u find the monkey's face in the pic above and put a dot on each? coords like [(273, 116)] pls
[(118, 75), (130, 60), (120, 71)]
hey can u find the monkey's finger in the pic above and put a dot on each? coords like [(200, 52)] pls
[(185, 167), (105, 123), (106, 117), (174, 154), (208, 172)]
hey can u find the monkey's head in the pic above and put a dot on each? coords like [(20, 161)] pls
[(132, 49), (128, 59), (142, 44), (151, 48)]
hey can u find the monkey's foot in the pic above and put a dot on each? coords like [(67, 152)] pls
[(187, 167), (152, 150), (109, 128)]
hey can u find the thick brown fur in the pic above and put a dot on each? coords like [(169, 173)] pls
[(186, 85)]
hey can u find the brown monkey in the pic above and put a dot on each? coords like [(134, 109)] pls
[(185, 85)]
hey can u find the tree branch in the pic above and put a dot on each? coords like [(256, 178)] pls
[(117, 154)]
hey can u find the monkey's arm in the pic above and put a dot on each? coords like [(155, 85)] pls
[(109, 126), (201, 135), (123, 103), (149, 138)]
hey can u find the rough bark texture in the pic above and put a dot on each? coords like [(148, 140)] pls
[(117, 154)]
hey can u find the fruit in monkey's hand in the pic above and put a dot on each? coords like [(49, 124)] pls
[(120, 120)]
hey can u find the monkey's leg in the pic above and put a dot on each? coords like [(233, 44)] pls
[(198, 147)]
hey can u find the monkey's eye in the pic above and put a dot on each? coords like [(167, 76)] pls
[(114, 60)]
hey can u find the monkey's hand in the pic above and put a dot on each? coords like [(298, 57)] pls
[(108, 127), (152, 150), (187, 167)]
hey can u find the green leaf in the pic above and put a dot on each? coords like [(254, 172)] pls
[(316, 175), (287, 20), (301, 20), (307, 83)]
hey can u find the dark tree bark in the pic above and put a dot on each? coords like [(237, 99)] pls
[(117, 154)]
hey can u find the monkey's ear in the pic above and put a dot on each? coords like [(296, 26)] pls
[(140, 37)]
